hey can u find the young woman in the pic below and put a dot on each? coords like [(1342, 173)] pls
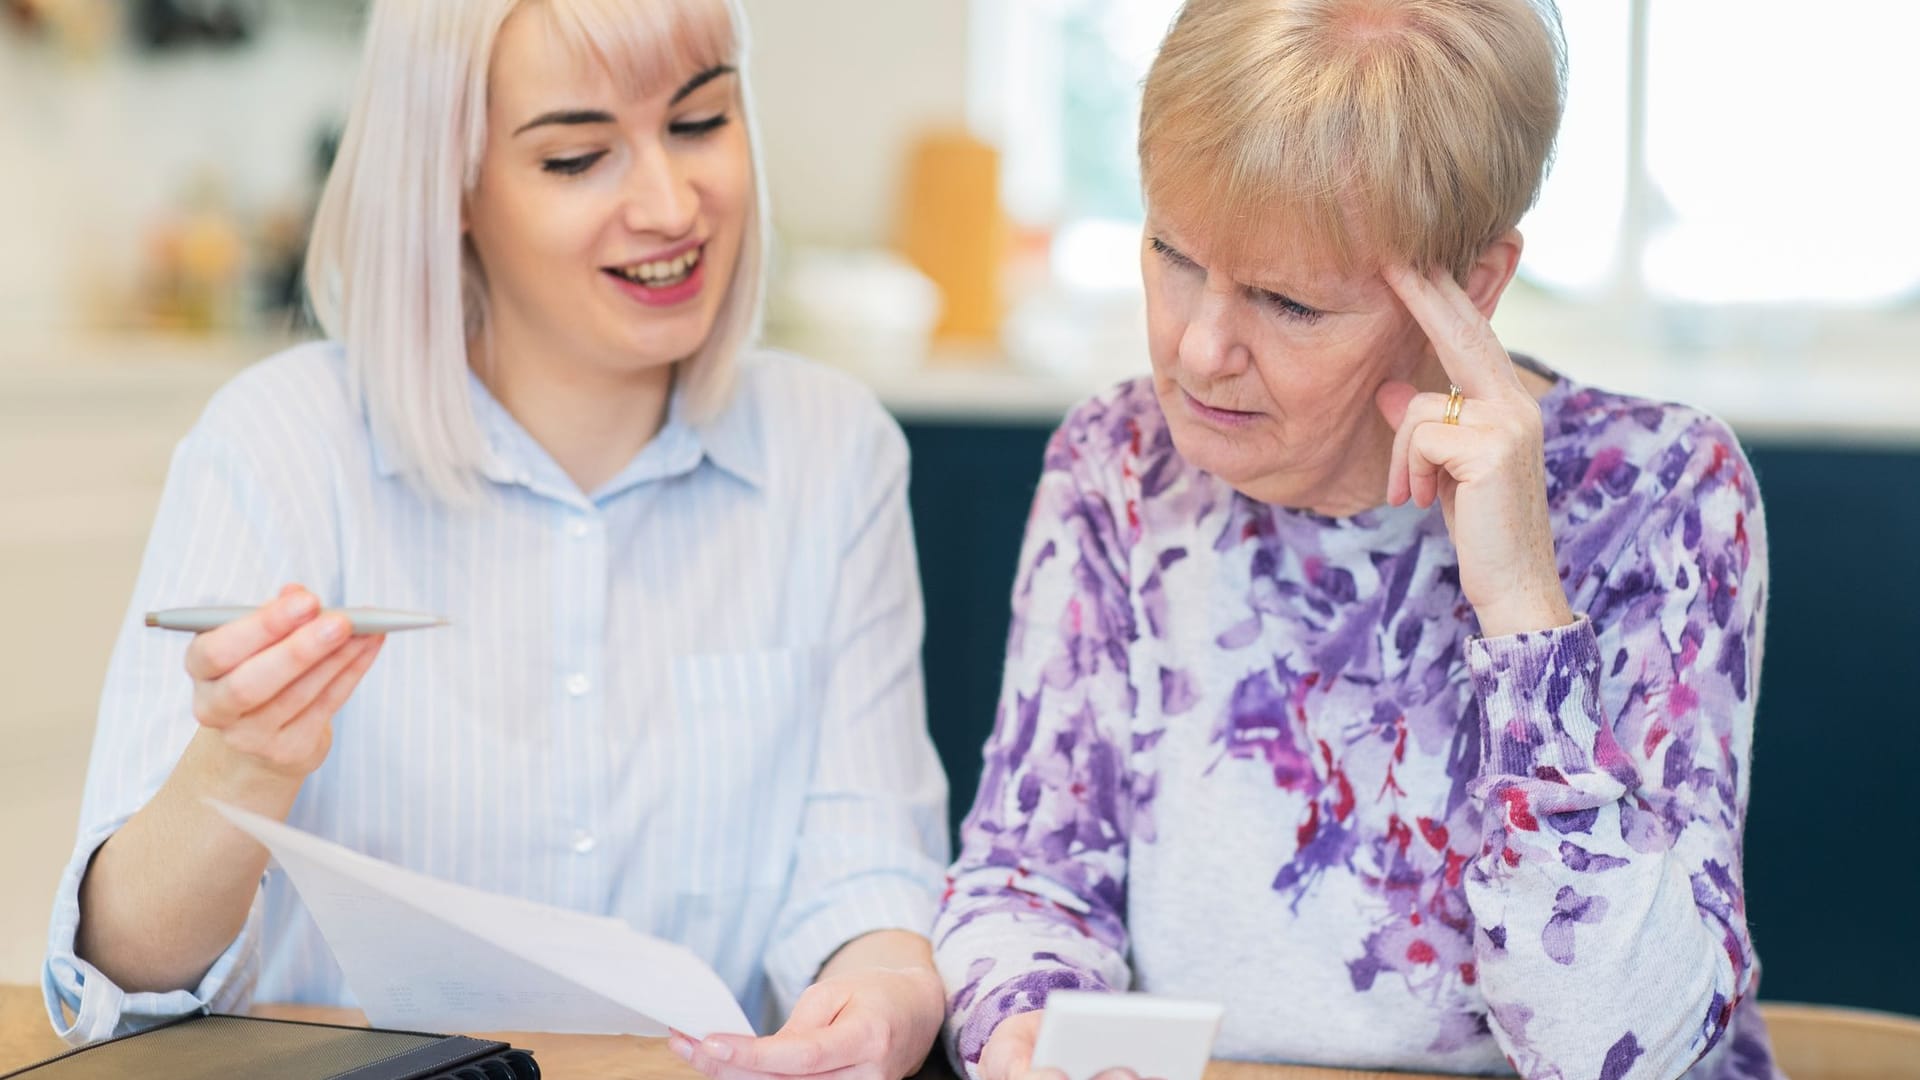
[(681, 685)]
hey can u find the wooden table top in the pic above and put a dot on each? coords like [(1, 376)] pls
[(1809, 1043), (26, 1037)]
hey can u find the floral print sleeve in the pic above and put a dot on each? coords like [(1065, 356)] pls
[(1037, 898), (1611, 932)]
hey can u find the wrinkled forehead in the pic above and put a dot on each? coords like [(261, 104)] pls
[(1250, 218), (1306, 250)]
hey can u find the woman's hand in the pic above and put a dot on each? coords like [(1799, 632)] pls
[(269, 684), (170, 890), (866, 1024), (1488, 471), (1008, 1054)]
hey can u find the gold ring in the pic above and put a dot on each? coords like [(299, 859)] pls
[(1455, 399)]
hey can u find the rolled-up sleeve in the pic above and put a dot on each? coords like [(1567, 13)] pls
[(86, 1006), (872, 848), (218, 535)]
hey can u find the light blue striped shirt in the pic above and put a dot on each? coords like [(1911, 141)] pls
[(692, 700)]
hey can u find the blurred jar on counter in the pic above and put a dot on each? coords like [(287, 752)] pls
[(194, 275), (81, 27)]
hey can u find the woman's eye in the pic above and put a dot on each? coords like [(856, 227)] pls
[(697, 128), (1286, 306), (1160, 247), (572, 166), (1292, 309)]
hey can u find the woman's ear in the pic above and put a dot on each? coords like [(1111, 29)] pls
[(1493, 271)]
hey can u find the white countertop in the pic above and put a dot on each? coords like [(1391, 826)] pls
[(1832, 406), (1854, 381), (1864, 391)]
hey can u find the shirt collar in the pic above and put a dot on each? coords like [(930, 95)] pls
[(730, 440), (731, 437)]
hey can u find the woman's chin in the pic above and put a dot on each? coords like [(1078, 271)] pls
[(1218, 453), (1255, 472), (644, 352)]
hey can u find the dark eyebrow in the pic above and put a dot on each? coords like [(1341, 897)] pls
[(699, 81), (597, 116), (567, 116)]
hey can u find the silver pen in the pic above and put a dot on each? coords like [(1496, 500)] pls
[(364, 620)]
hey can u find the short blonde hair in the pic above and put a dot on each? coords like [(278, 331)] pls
[(1366, 129), (389, 273)]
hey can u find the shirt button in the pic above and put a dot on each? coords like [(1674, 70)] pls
[(578, 685), (583, 842), (578, 529)]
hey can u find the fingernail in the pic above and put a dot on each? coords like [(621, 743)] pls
[(334, 628), (681, 1048), (300, 605), (719, 1051)]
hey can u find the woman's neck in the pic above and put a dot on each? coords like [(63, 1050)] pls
[(592, 421)]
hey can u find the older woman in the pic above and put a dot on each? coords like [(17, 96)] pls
[(1396, 692)]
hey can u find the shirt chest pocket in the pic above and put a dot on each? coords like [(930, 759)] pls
[(745, 729)]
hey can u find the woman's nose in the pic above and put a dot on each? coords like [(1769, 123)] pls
[(1211, 345), (660, 198)]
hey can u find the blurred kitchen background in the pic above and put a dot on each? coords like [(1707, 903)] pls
[(1734, 221)]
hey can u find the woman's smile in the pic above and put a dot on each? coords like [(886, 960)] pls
[(663, 281)]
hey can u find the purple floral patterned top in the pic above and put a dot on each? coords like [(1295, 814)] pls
[(1258, 756)]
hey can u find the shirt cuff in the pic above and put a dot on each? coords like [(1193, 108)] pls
[(852, 910), (85, 1006), (969, 1027), (1539, 696)]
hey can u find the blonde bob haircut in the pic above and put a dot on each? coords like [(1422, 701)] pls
[(1362, 131), (389, 272)]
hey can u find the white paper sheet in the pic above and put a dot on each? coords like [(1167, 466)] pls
[(426, 954)]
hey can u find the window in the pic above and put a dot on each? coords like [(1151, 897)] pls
[(1715, 153)]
